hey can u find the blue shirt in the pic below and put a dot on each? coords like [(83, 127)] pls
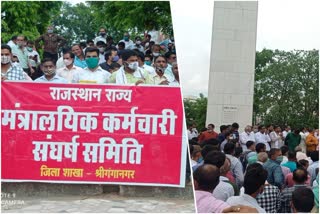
[(80, 63), (55, 79), (275, 175), (291, 165)]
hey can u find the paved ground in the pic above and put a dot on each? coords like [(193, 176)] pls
[(105, 203)]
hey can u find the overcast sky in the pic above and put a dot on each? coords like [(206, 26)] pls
[(282, 24)]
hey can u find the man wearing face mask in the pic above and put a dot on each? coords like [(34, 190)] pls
[(156, 50), (130, 72), (102, 48), (69, 69), (21, 52), (93, 73), (275, 175), (126, 39), (51, 42), (137, 45), (246, 136), (33, 59), (162, 75), (142, 65), (9, 71), (102, 36), (50, 76)]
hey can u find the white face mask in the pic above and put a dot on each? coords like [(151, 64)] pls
[(155, 54), (67, 62), (138, 42), (5, 59), (133, 65), (101, 50)]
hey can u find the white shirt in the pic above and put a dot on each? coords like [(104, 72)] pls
[(101, 58), (127, 43), (98, 76), (60, 63), (55, 79), (262, 138), (276, 140), (284, 133), (32, 54), (134, 46), (244, 138), (245, 200), (224, 190), (192, 134), (100, 38), (149, 68), (68, 74)]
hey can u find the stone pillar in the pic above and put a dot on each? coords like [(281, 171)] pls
[(231, 78)]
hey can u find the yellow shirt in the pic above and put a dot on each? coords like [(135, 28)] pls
[(311, 143)]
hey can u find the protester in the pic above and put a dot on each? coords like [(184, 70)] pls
[(210, 133), (51, 43), (69, 70), (9, 71), (275, 175), (300, 176), (49, 69), (93, 73)]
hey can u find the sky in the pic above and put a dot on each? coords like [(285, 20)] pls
[(282, 24)]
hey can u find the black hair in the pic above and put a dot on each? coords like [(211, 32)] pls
[(223, 127), (254, 178), (272, 152), (291, 155), (140, 55), (229, 148), (111, 48), (303, 163), (91, 49), (260, 147), (211, 125), (107, 54), (83, 45), (238, 151), (300, 175), (30, 42), (235, 125), (168, 54), (101, 43), (260, 127), (126, 54), (89, 40), (114, 65), (14, 37), (6, 47), (314, 156), (155, 58), (303, 199), (216, 158), (206, 149), (249, 143), (122, 44), (207, 177), (70, 53), (284, 149), (48, 60)]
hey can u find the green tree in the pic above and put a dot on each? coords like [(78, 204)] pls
[(29, 18), (286, 87), (134, 16), (196, 111), (76, 22)]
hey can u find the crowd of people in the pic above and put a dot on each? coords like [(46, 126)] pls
[(99, 60), (265, 169)]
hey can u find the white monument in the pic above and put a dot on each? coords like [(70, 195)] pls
[(231, 78)]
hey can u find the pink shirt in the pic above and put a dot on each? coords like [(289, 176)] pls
[(206, 203), (289, 180)]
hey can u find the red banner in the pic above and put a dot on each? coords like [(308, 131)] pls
[(74, 133)]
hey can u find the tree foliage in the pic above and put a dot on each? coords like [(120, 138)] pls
[(287, 87), (30, 18), (134, 16), (196, 111), (76, 22)]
